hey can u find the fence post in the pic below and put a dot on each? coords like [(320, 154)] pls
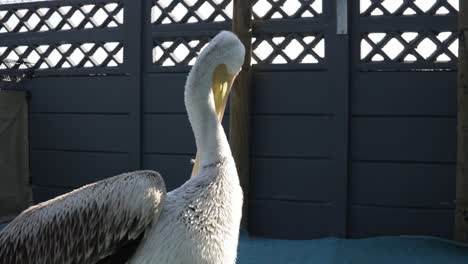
[(461, 211), (134, 20), (239, 119)]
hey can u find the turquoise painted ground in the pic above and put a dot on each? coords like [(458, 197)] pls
[(382, 250)]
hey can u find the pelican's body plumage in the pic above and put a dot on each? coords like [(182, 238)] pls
[(204, 214), (129, 218)]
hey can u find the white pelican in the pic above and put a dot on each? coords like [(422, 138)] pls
[(129, 218)]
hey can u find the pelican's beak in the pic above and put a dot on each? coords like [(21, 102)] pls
[(222, 83)]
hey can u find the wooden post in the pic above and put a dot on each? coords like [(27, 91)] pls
[(240, 99), (461, 211)]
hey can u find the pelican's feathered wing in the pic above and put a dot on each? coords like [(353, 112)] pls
[(87, 225)]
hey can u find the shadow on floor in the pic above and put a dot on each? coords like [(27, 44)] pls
[(381, 250)]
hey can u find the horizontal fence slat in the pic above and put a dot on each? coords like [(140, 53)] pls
[(191, 29), (164, 92), (316, 24), (74, 169), (292, 220), (294, 179), (175, 169), (408, 67), (406, 23), (403, 185), (170, 133), (51, 3), (292, 92), (403, 139), (100, 133), (375, 221), (321, 67), (102, 94), (60, 37), (404, 93), (292, 136)]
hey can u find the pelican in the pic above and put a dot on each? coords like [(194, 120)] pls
[(130, 218)]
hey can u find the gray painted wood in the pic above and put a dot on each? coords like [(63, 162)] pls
[(294, 179), (404, 93), (80, 94), (167, 134), (75, 169), (403, 139), (298, 220), (175, 169), (380, 221), (105, 133), (292, 93), (403, 185), (164, 93), (170, 133), (292, 136)]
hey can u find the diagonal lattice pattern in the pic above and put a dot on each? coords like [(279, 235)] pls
[(409, 47), (7, 64), (178, 50), (190, 11), (409, 7), (78, 16), (69, 55), (292, 9), (294, 48)]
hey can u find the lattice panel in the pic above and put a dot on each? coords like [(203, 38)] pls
[(295, 48), (409, 47), (277, 9), (177, 51), (78, 16), (190, 11), (71, 55), (409, 7)]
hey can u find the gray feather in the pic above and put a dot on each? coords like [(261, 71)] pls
[(85, 225)]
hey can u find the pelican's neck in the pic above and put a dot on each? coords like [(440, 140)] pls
[(210, 138)]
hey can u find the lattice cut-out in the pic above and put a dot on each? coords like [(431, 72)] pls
[(293, 48), (77, 16), (68, 55), (409, 47), (409, 7), (293, 9), (177, 51), (190, 11)]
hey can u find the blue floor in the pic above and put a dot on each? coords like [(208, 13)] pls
[(382, 250)]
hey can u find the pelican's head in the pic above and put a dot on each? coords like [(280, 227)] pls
[(227, 67), (216, 68), (218, 64)]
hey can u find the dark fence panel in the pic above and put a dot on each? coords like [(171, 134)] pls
[(367, 221), (352, 135), (298, 176), (403, 120), (84, 104)]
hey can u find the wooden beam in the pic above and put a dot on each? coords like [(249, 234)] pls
[(239, 122), (461, 211)]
